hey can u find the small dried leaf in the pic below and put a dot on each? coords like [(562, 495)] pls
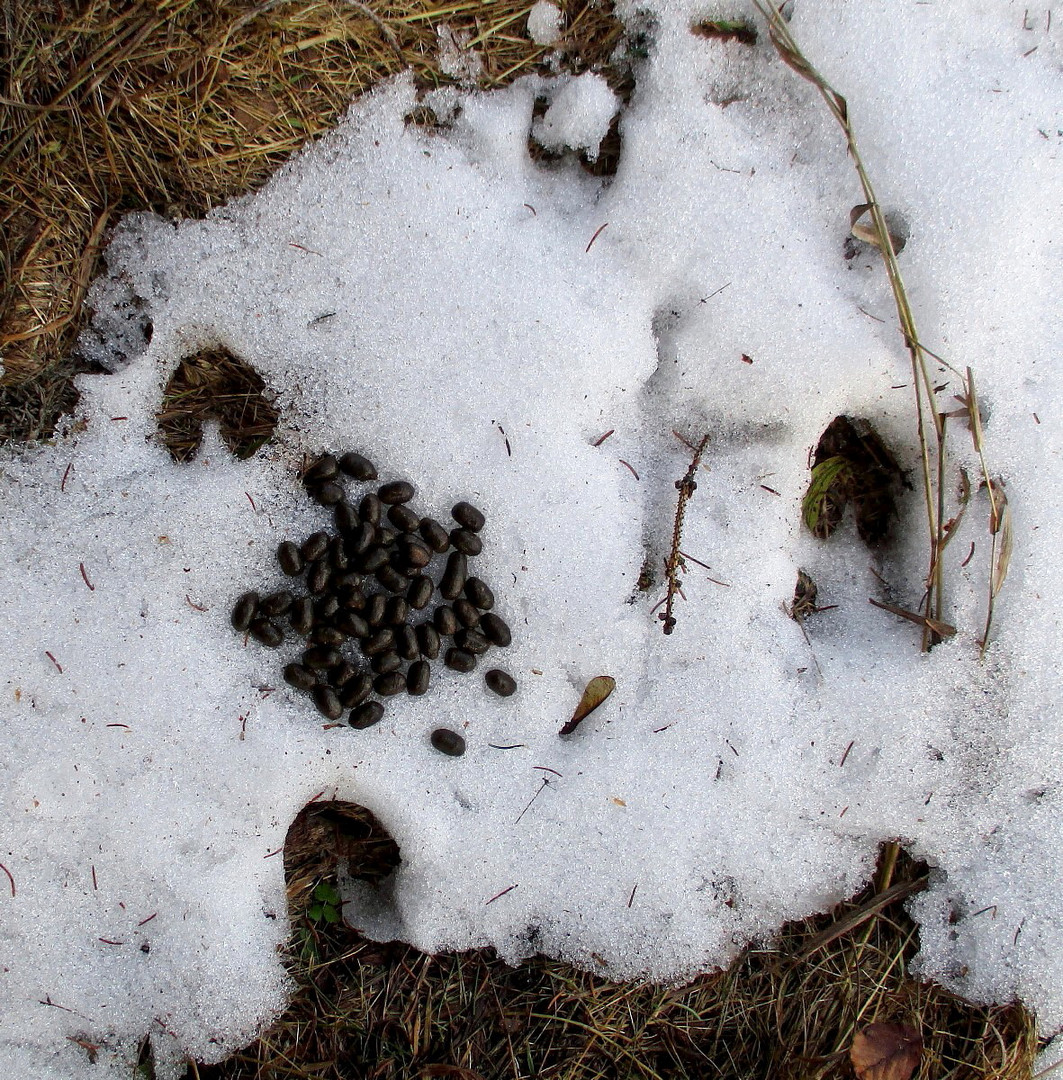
[(974, 415), (1003, 561), (886, 1052), (598, 689)]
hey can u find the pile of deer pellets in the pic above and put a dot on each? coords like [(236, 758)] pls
[(386, 591)]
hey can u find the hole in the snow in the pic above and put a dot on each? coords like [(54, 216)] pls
[(852, 467), (214, 384)]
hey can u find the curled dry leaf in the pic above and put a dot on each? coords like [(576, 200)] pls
[(598, 689), (886, 1052)]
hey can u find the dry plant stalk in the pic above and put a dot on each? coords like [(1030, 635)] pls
[(686, 487), (930, 418)]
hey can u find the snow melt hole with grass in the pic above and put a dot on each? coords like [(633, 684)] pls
[(479, 344)]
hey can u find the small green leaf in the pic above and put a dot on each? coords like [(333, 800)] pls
[(314, 912), (332, 915)]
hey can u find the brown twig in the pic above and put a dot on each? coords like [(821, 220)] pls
[(686, 487)]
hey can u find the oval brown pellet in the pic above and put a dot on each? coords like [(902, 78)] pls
[(337, 556), (417, 678), (394, 682), (361, 468), (371, 509), (356, 690), (301, 617), (365, 716), (244, 611), (446, 622), (501, 682), (385, 537), (318, 577), (459, 660), (269, 633), (361, 539), (328, 494), (314, 546), (471, 641), (352, 598), (406, 643), (349, 580), (495, 629), (324, 468), (322, 657), (391, 579), (468, 517), (428, 640), (448, 742), (386, 662), (290, 560), (467, 612), (346, 518), (403, 518), (467, 542), (329, 636), (381, 641), (325, 608), (278, 603), (454, 576), (353, 624), (416, 553), (398, 491), (327, 702), (435, 536), (397, 611), (373, 560), (342, 674), (375, 608), (479, 594), (420, 591), (302, 678)]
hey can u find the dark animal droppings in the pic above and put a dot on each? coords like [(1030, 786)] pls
[(435, 536), (301, 618), (459, 660), (403, 518), (365, 716), (468, 613), (322, 657), (381, 641), (391, 579), (361, 468), (289, 558), (269, 633), (356, 691), (317, 578), (278, 603), (468, 517), (314, 546), (327, 702), (420, 591), (325, 468), (328, 636), (370, 509), (300, 677), (375, 608), (244, 611), (501, 682), (406, 643), (454, 576), (386, 662), (428, 640), (479, 594), (471, 641), (467, 542), (448, 742), (446, 622), (328, 494), (346, 517), (495, 629), (398, 491), (417, 678), (391, 684)]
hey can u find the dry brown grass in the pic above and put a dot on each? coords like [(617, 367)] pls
[(176, 106)]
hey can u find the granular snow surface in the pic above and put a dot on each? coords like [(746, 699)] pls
[(475, 320)]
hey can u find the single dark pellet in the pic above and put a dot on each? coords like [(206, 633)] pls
[(269, 633), (301, 618), (300, 677), (362, 539), (397, 611), (314, 546), (420, 591), (381, 641), (471, 641), (244, 611), (495, 629), (394, 682), (337, 555), (327, 702), (328, 494), (417, 678), (356, 690), (322, 657), (467, 612), (468, 517), (353, 625), (385, 537), (365, 716), (361, 468), (342, 674), (373, 560), (325, 468), (325, 607), (391, 579), (446, 622), (416, 553), (290, 559), (454, 576), (466, 541), (435, 536), (459, 660), (479, 594), (352, 598), (386, 662), (375, 608), (328, 635), (398, 491), (448, 742), (349, 580), (406, 643), (403, 518), (501, 682), (318, 576), (370, 509), (346, 518), (428, 640)]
